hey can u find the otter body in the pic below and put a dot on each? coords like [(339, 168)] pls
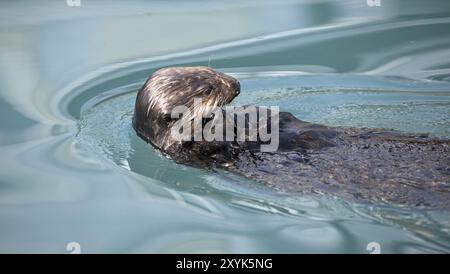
[(356, 164)]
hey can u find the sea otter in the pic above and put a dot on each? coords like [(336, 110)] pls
[(367, 165)]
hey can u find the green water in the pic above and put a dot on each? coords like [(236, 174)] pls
[(73, 170)]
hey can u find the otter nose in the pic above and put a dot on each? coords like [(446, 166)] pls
[(236, 87)]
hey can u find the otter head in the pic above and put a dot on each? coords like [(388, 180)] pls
[(169, 88)]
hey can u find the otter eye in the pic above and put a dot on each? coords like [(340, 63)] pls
[(168, 118), (208, 119), (208, 90)]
